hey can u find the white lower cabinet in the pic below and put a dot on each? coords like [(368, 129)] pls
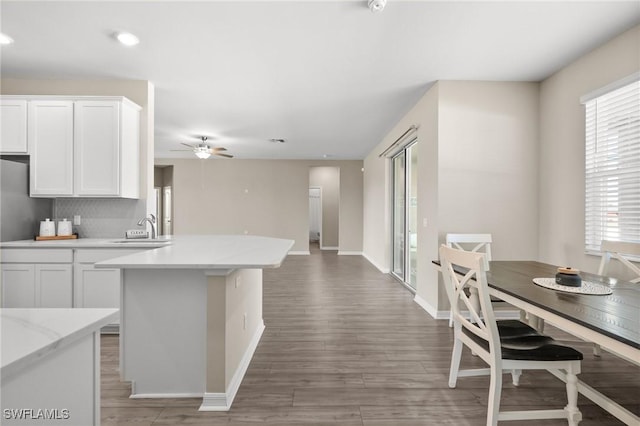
[(18, 286), (37, 286), (53, 285), (97, 287), (60, 278), (34, 278)]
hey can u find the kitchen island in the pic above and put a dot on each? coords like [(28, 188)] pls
[(50, 369), (191, 315)]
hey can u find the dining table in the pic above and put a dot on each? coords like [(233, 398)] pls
[(611, 321)]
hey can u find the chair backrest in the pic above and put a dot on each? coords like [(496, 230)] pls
[(477, 243), (618, 250), (481, 321)]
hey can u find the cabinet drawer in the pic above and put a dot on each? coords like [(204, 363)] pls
[(98, 255), (37, 255)]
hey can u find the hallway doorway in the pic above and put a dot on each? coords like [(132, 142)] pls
[(324, 206)]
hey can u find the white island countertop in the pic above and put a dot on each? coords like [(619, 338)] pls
[(30, 334), (208, 252)]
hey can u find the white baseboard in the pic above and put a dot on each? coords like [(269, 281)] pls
[(428, 308), (165, 395), (222, 401), (500, 314), (383, 270), (329, 248), (300, 253), (349, 253)]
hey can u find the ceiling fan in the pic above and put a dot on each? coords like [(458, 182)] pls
[(204, 150)]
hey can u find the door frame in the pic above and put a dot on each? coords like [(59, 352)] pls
[(407, 211), (320, 215)]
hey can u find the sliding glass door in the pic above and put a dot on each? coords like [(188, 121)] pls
[(405, 217)]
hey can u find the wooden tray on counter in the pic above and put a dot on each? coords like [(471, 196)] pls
[(57, 237)]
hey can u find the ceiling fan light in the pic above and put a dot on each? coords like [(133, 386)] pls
[(5, 39), (203, 154), (127, 39)]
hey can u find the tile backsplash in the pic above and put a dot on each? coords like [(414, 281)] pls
[(100, 217)]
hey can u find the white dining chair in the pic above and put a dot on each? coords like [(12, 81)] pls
[(475, 243), (620, 251), (480, 333)]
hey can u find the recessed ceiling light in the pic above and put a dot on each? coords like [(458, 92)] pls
[(127, 39), (5, 39)]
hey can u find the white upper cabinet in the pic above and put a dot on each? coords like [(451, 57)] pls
[(13, 127), (85, 147), (51, 148), (97, 148)]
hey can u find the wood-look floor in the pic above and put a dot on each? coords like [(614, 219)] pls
[(346, 345)]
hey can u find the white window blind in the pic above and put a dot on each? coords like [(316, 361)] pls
[(612, 167)]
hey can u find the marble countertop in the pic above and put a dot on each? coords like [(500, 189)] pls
[(89, 243), (208, 252), (29, 334)]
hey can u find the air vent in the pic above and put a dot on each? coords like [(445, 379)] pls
[(275, 140)]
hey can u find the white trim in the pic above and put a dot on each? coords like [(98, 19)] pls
[(165, 395), (444, 315), (321, 205), (215, 402), (329, 248), (300, 253), (349, 253), (383, 270), (223, 401), (430, 309), (610, 87)]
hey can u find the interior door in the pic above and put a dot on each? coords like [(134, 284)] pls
[(167, 211)]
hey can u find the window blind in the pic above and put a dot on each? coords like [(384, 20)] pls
[(612, 167)]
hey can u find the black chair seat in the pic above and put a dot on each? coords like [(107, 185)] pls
[(530, 348), (509, 329)]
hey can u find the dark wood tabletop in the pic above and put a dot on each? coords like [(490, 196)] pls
[(616, 315)]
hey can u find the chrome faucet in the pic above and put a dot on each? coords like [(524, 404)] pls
[(152, 221)]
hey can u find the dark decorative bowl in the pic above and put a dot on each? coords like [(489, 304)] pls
[(569, 280)]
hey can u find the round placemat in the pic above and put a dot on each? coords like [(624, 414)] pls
[(588, 287)]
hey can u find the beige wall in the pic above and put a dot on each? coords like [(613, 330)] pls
[(377, 209), (562, 150), (328, 179), (261, 197), (477, 173)]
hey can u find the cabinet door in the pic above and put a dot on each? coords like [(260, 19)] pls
[(96, 288), (50, 139), (18, 286), (54, 285), (97, 148), (13, 127)]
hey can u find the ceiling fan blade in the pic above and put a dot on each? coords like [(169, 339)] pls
[(223, 155), (186, 144), (218, 148)]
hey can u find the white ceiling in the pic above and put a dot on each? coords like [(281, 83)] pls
[(330, 77)]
